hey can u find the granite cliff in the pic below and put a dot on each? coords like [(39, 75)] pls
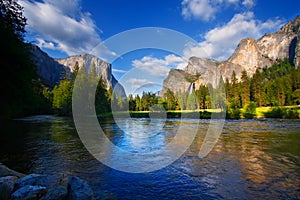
[(103, 69), (51, 70), (249, 55)]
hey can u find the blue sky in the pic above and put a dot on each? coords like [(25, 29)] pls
[(70, 27)]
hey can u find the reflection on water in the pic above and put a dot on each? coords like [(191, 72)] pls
[(252, 159)]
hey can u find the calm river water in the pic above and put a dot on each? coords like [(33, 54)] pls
[(253, 159)]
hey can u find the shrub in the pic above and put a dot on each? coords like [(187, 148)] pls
[(250, 110), (282, 113)]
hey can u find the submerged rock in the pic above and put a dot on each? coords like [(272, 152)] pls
[(29, 192), (79, 189)]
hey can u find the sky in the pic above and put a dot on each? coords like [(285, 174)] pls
[(107, 29)]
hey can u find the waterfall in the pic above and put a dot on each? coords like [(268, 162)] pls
[(191, 88)]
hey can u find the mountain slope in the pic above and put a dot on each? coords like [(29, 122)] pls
[(249, 55)]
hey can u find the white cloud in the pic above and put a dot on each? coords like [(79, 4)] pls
[(220, 42), (138, 83), (199, 9), (159, 67), (207, 10), (248, 3), (61, 25), (119, 70)]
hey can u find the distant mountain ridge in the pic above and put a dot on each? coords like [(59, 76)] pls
[(249, 55), (52, 71)]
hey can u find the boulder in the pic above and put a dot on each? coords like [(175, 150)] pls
[(29, 192), (6, 186), (48, 181), (79, 189), (57, 193)]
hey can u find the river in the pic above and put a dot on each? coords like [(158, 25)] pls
[(253, 159)]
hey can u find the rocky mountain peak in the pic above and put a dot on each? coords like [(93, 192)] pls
[(291, 27)]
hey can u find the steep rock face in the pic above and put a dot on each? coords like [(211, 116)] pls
[(247, 55), (281, 44), (102, 69), (297, 51), (50, 71), (198, 71), (175, 81)]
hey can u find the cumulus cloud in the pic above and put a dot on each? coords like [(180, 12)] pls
[(159, 67), (248, 3), (206, 10), (199, 9), (61, 25), (220, 42), (138, 83)]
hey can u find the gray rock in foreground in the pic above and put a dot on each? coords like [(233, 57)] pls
[(37, 180), (79, 189), (6, 186), (29, 192), (57, 193)]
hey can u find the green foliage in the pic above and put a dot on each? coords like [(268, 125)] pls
[(233, 111), (102, 97), (285, 113), (201, 95), (250, 110), (191, 102), (62, 97), (170, 100), (245, 89), (296, 96), (191, 78)]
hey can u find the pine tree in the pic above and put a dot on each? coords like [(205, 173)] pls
[(235, 89), (170, 99), (191, 102), (245, 89), (257, 88), (132, 102), (62, 97)]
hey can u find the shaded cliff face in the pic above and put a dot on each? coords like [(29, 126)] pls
[(249, 55), (50, 71)]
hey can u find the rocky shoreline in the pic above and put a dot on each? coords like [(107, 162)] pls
[(18, 186)]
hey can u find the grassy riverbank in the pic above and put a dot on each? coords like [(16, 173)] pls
[(261, 112)]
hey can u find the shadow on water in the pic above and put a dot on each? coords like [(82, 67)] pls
[(252, 159)]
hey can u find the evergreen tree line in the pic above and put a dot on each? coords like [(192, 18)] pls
[(278, 85)]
